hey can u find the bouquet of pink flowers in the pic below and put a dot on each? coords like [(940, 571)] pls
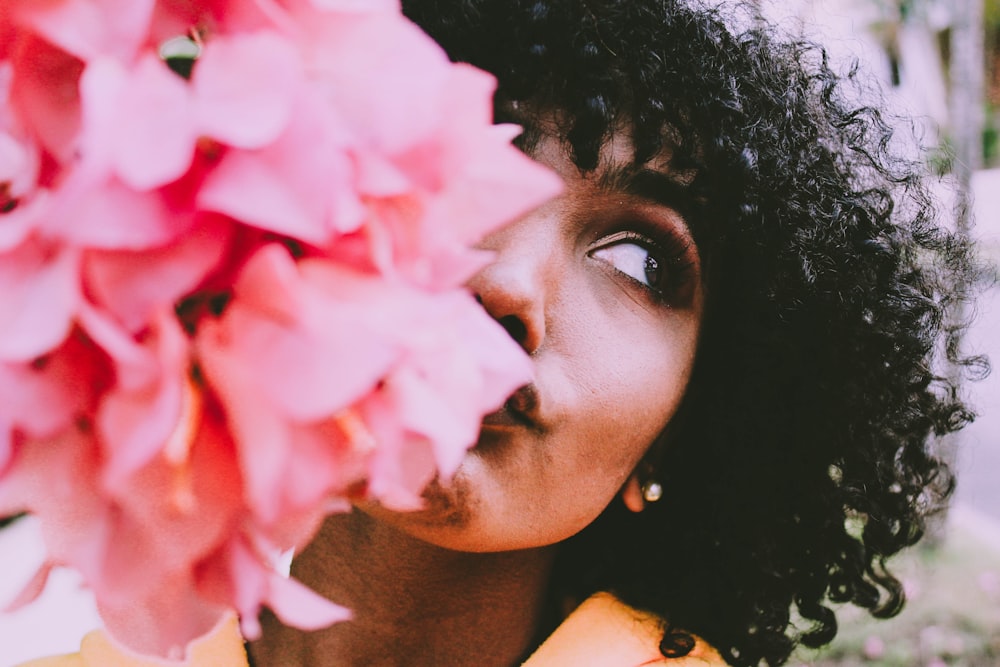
[(233, 239)]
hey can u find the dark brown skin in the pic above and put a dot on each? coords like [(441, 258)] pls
[(414, 603), (613, 341)]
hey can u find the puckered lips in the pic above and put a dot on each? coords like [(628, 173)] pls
[(521, 410)]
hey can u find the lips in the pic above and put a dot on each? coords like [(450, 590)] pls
[(520, 410)]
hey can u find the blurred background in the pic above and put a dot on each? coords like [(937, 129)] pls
[(939, 61)]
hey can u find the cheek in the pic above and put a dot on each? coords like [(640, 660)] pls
[(627, 394), (633, 379)]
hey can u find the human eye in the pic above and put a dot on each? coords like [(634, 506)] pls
[(659, 266)]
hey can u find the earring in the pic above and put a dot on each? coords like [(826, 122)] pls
[(651, 491)]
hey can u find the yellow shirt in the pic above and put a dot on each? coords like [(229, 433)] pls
[(601, 632), (222, 648)]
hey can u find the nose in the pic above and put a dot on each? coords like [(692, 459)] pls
[(515, 287)]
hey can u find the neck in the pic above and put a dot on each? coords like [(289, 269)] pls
[(414, 603)]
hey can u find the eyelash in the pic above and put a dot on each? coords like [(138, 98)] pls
[(673, 255)]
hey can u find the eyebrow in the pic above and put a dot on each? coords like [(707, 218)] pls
[(655, 186)]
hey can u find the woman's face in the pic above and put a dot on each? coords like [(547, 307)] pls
[(602, 287)]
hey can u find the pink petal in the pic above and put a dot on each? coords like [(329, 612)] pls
[(356, 5), (497, 183), (31, 590), (455, 378), (18, 224), (483, 180), (39, 297), (135, 365), (261, 434), (6, 443), (244, 87), (135, 422), (378, 176), (222, 17), (301, 185), (288, 470), (46, 95), (134, 285), (460, 180), (256, 584), (451, 429), (163, 623), (43, 398), (174, 513), (250, 190), (502, 363), (103, 84), (300, 607), (426, 415), (153, 136), (321, 463), (88, 28), (286, 353), (327, 357), (107, 214), (19, 165), (55, 479), (394, 70), (402, 465)]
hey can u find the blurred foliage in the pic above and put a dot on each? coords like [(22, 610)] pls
[(991, 14), (991, 138), (941, 157)]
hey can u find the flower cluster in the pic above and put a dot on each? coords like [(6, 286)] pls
[(233, 239)]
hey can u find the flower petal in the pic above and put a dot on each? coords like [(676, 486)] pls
[(244, 87), (153, 133), (39, 298), (249, 189), (331, 348), (133, 285), (88, 28), (134, 422), (46, 96), (31, 590), (93, 213)]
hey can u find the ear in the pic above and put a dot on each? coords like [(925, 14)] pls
[(632, 494)]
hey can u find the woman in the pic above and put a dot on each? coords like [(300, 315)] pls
[(734, 310), (724, 308)]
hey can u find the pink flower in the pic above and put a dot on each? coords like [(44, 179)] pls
[(233, 301), (298, 346)]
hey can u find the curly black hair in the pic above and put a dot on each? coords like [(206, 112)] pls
[(802, 457)]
